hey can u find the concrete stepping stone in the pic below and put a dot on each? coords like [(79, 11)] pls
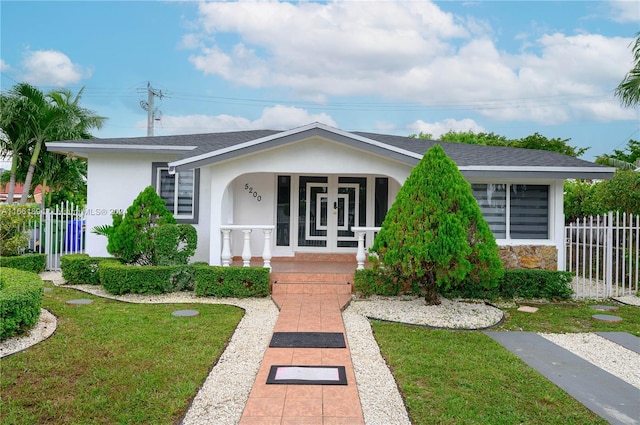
[(606, 318), (48, 289), (527, 309), (79, 302), (610, 308), (185, 313)]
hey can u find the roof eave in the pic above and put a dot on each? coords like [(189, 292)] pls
[(588, 173), (82, 149)]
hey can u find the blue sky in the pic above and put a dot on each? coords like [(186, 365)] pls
[(398, 67)]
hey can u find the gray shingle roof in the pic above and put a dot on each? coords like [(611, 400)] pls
[(468, 155), (464, 155)]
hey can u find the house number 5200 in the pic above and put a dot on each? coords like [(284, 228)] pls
[(253, 192)]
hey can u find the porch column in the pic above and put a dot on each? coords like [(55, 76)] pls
[(215, 217), (246, 248)]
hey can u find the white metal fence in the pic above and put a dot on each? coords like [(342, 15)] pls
[(604, 253), (57, 231)]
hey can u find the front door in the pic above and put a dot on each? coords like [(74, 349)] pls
[(328, 207)]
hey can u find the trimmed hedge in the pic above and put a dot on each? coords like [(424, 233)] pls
[(28, 262), (21, 295), (374, 281), (118, 278), (81, 269), (521, 283), (549, 284), (238, 282)]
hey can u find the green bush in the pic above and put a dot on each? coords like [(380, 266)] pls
[(81, 269), (15, 221), (373, 281), (28, 262), (21, 295), (174, 244), (118, 278), (523, 283), (548, 284), (131, 237), (238, 282)]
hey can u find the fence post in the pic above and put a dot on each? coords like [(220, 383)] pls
[(608, 278)]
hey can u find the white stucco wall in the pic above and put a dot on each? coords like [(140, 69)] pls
[(113, 182)]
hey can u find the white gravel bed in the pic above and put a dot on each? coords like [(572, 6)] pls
[(449, 314), (629, 300), (585, 288), (379, 395), (45, 327), (614, 358)]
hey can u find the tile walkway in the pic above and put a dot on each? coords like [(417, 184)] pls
[(306, 404)]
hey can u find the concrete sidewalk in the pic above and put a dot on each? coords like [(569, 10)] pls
[(601, 392)]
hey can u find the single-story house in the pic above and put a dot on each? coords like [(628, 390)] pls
[(302, 191)]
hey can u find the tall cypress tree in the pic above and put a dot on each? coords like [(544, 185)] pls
[(434, 234)]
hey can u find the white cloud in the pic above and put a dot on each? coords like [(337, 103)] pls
[(51, 67), (4, 66), (274, 118), (625, 10), (437, 129), (408, 52)]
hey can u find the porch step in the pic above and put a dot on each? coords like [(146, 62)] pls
[(311, 281), (311, 288), (313, 257)]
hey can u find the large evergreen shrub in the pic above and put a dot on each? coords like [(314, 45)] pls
[(148, 235), (435, 235)]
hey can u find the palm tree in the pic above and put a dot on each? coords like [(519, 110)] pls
[(619, 164), (38, 118), (629, 88), (11, 135)]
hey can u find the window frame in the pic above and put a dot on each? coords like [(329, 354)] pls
[(155, 181), (507, 215)]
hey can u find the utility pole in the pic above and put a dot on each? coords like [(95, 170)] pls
[(148, 106)]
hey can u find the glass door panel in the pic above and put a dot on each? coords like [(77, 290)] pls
[(313, 217)]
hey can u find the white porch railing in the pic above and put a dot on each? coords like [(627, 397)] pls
[(246, 229), (364, 234), (604, 252)]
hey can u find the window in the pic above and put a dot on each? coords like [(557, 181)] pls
[(514, 211), (179, 191)]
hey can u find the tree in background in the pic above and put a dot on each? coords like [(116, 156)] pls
[(628, 91), (622, 193), (471, 138), (434, 234), (535, 141), (540, 142), (580, 200), (29, 118)]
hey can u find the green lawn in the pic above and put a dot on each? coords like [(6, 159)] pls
[(458, 377), (114, 363)]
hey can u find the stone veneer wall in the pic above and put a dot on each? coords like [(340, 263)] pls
[(529, 257)]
